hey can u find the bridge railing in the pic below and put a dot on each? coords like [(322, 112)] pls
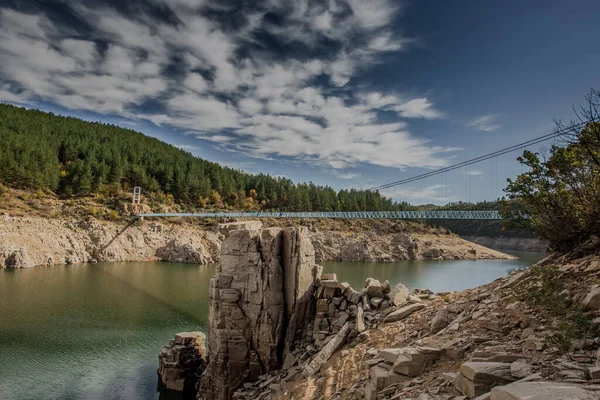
[(485, 215)]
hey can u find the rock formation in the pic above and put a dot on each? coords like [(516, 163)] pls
[(182, 361), (26, 242), (261, 296)]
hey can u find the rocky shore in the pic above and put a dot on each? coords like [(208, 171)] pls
[(510, 243), (280, 329), (28, 242)]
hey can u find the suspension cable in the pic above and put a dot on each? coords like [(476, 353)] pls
[(481, 158)]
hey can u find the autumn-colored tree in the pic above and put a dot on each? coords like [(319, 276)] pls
[(216, 200)]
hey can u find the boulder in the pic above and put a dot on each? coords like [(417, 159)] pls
[(520, 369), (399, 295), (376, 302), (413, 361), (442, 319), (389, 355), (545, 391), (383, 377), (403, 312), (182, 361), (469, 388), (592, 300), (405, 245), (373, 288), (477, 378), (487, 372)]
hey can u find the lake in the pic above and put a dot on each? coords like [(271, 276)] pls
[(94, 331)]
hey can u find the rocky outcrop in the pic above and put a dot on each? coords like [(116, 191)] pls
[(509, 243), (275, 317), (26, 242), (488, 342), (182, 362), (15, 258), (390, 247), (261, 297)]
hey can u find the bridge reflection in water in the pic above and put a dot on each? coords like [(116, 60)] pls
[(489, 215)]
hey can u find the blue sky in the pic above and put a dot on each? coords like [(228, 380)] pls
[(349, 93)]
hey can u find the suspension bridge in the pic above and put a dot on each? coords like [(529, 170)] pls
[(415, 215), (487, 215)]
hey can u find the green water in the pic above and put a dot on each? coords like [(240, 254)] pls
[(439, 276), (94, 331)]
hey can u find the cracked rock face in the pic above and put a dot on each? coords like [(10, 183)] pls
[(261, 296)]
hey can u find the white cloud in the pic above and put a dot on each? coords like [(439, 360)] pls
[(485, 123), (249, 100), (186, 147), (348, 175), (473, 172), (373, 14), (434, 194), (417, 108)]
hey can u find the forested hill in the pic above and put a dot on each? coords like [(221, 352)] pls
[(71, 157)]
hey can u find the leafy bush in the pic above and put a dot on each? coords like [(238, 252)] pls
[(558, 197)]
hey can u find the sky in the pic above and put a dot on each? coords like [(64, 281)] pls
[(346, 93)]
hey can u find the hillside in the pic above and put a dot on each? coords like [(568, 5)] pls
[(70, 157)]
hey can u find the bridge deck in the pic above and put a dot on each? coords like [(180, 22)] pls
[(489, 215)]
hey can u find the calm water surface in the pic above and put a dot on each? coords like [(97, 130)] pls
[(94, 331)]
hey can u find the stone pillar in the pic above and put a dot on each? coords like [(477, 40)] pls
[(300, 275), (260, 299), (182, 361)]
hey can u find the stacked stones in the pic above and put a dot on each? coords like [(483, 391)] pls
[(182, 361), (338, 303), (342, 314), (393, 366)]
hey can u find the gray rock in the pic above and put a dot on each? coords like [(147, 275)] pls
[(383, 377), (376, 302), (442, 319), (389, 355), (399, 295), (413, 361), (321, 358), (592, 300), (373, 288), (232, 226), (469, 388), (403, 312), (250, 300), (15, 258), (181, 362), (520, 369), (544, 391), (360, 322)]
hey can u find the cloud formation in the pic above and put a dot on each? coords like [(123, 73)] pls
[(271, 79), (486, 123), (434, 194)]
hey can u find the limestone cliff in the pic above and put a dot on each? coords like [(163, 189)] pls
[(27, 242)]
